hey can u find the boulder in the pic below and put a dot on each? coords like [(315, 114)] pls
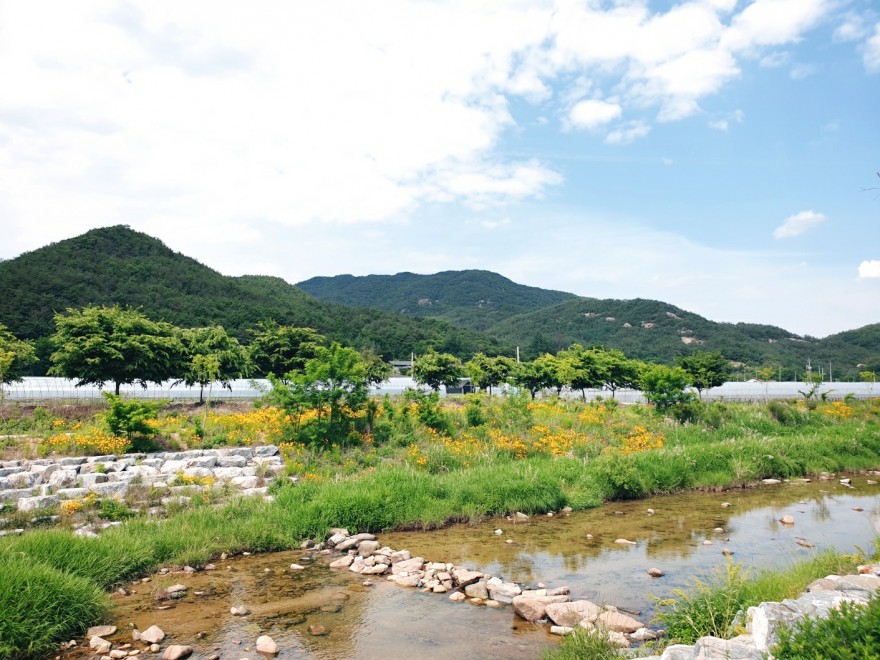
[(619, 622), (177, 651), (457, 597), (408, 565), (266, 645), (37, 503), (153, 635), (99, 644), (738, 648), (342, 562), (100, 631), (504, 592), (464, 577), (407, 580), (572, 613), (476, 590), (353, 541), (400, 555), (367, 548), (533, 608)]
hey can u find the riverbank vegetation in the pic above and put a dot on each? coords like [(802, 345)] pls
[(715, 606), (410, 462)]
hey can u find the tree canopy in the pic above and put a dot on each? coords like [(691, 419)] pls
[(15, 356), (705, 369), (96, 345), (435, 369)]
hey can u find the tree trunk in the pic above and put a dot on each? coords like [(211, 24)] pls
[(117, 387)]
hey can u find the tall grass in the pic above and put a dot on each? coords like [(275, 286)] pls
[(710, 607), (40, 605)]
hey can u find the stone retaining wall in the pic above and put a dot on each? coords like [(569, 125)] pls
[(34, 485)]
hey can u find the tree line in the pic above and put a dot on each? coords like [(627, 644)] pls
[(579, 368)]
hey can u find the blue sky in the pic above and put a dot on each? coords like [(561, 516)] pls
[(712, 154)]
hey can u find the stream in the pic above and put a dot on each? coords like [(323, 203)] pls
[(577, 550)]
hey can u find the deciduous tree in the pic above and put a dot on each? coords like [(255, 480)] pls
[(210, 354), (664, 386), (435, 369), (281, 349), (15, 356), (96, 345), (705, 369)]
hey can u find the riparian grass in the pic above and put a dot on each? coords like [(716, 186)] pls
[(40, 605)]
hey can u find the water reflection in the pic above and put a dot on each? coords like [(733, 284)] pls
[(578, 550)]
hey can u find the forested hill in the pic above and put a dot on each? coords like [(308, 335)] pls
[(656, 331), (546, 321), (116, 265), (476, 299)]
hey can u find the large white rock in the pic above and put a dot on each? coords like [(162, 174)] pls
[(37, 503), (504, 592), (572, 613), (266, 645), (153, 635)]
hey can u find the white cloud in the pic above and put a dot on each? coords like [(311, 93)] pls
[(720, 125), (797, 224), (869, 269), (628, 133), (802, 71), (593, 113), (852, 28), (872, 51), (492, 225), (774, 60)]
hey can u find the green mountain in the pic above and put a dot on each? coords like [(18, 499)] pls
[(116, 265), (546, 321), (475, 299)]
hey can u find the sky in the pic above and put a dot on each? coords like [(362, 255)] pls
[(718, 155)]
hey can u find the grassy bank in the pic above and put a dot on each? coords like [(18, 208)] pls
[(422, 465), (710, 606)]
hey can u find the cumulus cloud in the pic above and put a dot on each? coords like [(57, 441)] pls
[(294, 114), (869, 269), (593, 113), (798, 223)]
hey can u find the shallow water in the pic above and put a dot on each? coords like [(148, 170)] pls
[(387, 621)]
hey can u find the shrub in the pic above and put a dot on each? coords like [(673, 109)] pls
[(851, 632), (708, 608)]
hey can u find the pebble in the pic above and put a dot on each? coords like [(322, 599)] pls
[(239, 611), (655, 572), (297, 567), (624, 542), (499, 532), (650, 512), (787, 520), (725, 504), (707, 542), (317, 631)]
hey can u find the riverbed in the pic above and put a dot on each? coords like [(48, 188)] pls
[(578, 550)]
